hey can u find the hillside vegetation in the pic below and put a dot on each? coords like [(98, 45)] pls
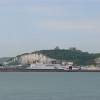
[(4, 59), (77, 56)]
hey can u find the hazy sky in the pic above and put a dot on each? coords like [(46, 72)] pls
[(28, 25)]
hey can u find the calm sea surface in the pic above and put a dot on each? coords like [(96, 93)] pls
[(49, 86)]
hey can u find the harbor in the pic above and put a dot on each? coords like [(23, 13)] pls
[(45, 68), (71, 60)]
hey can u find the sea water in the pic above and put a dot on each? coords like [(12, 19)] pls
[(50, 86)]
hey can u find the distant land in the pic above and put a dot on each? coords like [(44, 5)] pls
[(4, 59), (78, 57)]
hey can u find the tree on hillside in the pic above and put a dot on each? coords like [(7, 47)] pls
[(57, 48)]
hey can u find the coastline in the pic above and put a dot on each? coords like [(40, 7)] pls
[(44, 70)]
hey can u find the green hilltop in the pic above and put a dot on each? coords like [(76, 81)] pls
[(77, 56)]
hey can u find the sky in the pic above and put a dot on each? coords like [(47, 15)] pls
[(29, 25)]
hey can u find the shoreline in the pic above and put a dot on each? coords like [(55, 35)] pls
[(44, 70)]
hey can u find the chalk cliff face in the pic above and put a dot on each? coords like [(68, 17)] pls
[(34, 58), (30, 59)]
